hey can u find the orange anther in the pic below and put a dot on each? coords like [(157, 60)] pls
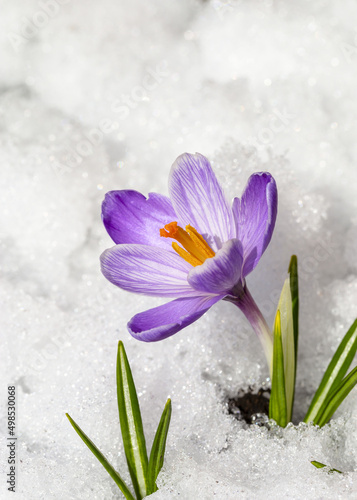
[(195, 248)]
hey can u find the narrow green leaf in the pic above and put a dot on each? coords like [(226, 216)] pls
[(338, 395), (334, 374), (294, 289), (107, 466), (158, 447), (287, 336), (319, 465), (277, 403), (131, 424)]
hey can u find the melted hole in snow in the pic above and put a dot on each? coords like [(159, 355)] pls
[(252, 406)]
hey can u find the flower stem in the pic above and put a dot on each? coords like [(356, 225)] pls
[(247, 305)]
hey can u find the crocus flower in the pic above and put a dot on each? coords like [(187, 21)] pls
[(192, 247)]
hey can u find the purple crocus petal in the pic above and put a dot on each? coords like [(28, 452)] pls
[(198, 199), (166, 320), (147, 270), (255, 215), (220, 273), (131, 218)]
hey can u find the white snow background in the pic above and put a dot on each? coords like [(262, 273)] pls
[(253, 85)]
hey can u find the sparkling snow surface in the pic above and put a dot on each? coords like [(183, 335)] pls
[(105, 95)]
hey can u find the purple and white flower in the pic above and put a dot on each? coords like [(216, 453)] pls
[(196, 266)]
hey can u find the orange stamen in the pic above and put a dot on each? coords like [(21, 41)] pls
[(195, 248)]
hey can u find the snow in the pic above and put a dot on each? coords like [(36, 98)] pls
[(105, 95)]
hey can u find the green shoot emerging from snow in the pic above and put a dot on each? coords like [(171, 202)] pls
[(335, 384), (143, 472)]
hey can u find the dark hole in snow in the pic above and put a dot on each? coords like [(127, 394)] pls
[(251, 406)]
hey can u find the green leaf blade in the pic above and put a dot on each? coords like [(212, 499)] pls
[(277, 403), (131, 425), (317, 464), (320, 465), (285, 309), (99, 455), (334, 374), (294, 290), (156, 459), (340, 393)]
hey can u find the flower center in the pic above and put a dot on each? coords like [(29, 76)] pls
[(196, 248)]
